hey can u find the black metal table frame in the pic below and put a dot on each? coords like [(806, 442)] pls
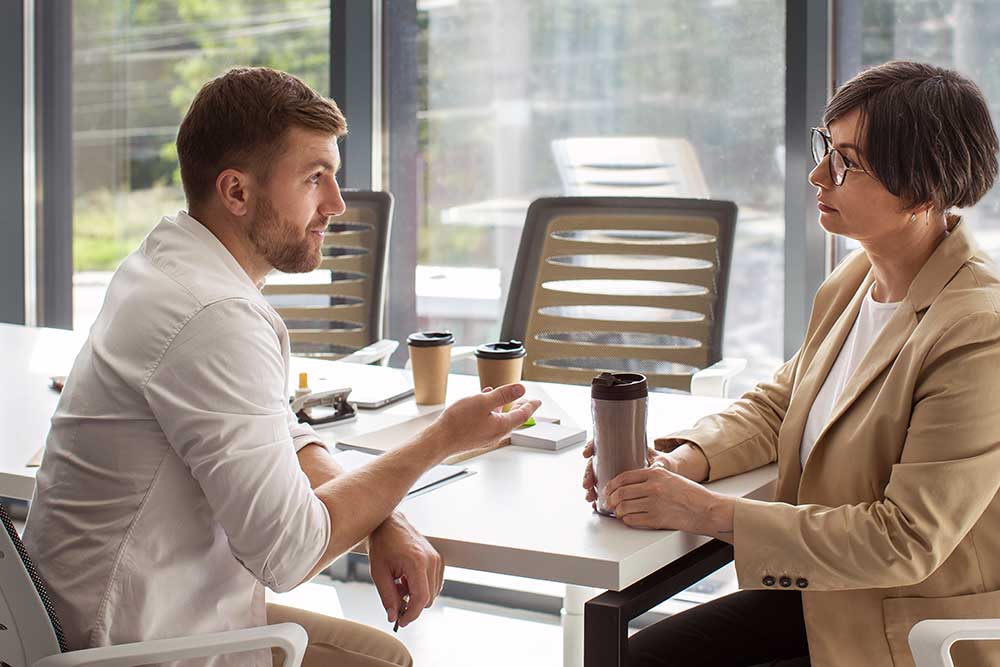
[(606, 617)]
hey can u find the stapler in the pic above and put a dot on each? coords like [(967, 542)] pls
[(324, 407)]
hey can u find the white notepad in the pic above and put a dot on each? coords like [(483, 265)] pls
[(352, 459), (549, 436)]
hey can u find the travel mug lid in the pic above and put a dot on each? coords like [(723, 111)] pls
[(430, 338), (619, 386), (512, 349)]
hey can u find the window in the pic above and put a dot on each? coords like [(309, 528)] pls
[(500, 81), (957, 34), (136, 67)]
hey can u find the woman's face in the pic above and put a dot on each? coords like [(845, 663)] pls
[(861, 208)]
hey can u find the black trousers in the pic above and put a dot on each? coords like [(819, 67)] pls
[(745, 629)]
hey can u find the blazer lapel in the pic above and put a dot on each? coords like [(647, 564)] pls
[(950, 255), (817, 367)]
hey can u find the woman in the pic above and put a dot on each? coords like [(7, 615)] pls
[(885, 424)]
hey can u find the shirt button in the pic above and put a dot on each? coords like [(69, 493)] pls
[(769, 580), (801, 583), (785, 582)]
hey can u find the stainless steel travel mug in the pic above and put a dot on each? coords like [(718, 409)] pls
[(618, 404)]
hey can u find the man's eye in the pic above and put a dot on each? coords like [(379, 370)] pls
[(315, 178)]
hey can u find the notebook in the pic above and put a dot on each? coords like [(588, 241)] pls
[(377, 442), (352, 459)]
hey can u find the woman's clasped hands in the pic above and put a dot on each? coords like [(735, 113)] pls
[(663, 496)]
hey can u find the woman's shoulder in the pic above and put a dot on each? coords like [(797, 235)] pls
[(969, 304)]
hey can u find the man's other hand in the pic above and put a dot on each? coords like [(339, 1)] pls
[(398, 553)]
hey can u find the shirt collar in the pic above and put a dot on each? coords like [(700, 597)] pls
[(185, 221)]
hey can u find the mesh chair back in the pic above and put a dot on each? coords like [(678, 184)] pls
[(29, 627), (339, 308), (621, 284), (629, 167)]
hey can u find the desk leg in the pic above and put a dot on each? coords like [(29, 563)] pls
[(572, 623), (606, 617)]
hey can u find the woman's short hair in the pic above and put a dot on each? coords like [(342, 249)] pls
[(239, 120), (925, 132)]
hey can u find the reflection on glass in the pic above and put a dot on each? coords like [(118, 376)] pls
[(519, 99), (136, 67)]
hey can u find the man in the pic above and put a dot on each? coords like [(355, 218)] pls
[(176, 483)]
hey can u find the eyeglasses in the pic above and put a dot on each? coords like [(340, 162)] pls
[(822, 146)]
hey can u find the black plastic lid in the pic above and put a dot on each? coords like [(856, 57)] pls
[(512, 349), (430, 338), (619, 386)]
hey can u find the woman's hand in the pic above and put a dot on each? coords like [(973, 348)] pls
[(660, 499), (679, 461), (477, 421)]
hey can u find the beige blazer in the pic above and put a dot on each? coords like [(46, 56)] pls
[(896, 516)]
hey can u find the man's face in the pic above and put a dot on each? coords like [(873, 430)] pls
[(300, 194)]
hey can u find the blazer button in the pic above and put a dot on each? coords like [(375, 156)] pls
[(785, 582), (769, 580), (801, 583)]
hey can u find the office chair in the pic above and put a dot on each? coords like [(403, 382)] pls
[(31, 636), (340, 316), (624, 284)]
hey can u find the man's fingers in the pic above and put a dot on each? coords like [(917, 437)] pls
[(420, 597), (501, 396), (591, 494), (588, 449), (518, 415), (385, 584)]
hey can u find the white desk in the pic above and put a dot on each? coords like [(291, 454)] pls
[(523, 513)]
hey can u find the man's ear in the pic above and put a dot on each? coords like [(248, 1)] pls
[(234, 189)]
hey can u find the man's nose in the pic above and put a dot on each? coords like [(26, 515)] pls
[(333, 204)]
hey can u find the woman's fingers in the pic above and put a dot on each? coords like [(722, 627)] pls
[(624, 508)]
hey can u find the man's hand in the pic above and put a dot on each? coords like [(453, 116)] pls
[(396, 551), (477, 421), (657, 498)]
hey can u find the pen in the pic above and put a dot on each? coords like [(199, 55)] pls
[(402, 610)]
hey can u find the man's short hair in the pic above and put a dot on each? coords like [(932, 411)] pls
[(925, 132), (239, 120)]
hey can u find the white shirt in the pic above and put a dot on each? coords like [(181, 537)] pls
[(871, 320), (170, 491)]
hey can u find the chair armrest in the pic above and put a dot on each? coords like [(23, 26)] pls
[(461, 352), (714, 380), (931, 640), (291, 638), (377, 352)]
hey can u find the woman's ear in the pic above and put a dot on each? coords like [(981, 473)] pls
[(233, 188)]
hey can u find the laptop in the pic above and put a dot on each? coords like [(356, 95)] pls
[(390, 388)]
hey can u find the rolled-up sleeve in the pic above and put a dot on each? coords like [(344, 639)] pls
[(218, 393)]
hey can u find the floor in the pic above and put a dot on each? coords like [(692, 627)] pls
[(452, 633)]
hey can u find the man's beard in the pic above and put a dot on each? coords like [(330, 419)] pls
[(274, 240)]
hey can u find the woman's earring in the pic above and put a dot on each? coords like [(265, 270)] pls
[(913, 218), (927, 217)]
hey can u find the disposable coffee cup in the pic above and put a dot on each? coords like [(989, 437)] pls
[(430, 359), (499, 364), (619, 403)]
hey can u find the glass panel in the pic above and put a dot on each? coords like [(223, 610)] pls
[(519, 99), (958, 34), (136, 66)]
